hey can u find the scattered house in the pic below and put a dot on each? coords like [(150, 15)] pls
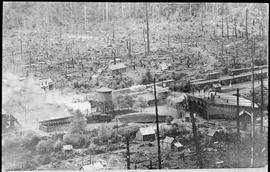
[(67, 149), (118, 68), (46, 83), (148, 97), (210, 134), (146, 134), (95, 78), (187, 117), (213, 75), (81, 151), (117, 60), (162, 93), (178, 146), (171, 143), (217, 87), (163, 66)]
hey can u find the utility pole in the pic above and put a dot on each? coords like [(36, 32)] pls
[(252, 106), (194, 129), (238, 125), (261, 102), (158, 141), (128, 154)]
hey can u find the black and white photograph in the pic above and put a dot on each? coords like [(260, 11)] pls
[(92, 86)]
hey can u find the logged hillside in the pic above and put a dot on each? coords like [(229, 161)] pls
[(65, 40)]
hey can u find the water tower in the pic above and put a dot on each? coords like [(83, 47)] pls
[(104, 100)]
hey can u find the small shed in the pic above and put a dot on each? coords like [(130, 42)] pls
[(171, 143), (211, 134), (67, 149), (118, 68), (146, 134), (46, 83), (217, 87)]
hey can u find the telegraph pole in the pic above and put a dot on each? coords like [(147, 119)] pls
[(158, 141), (128, 154), (252, 106), (261, 102), (237, 124), (194, 129)]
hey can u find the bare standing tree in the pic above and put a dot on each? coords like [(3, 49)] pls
[(107, 12), (247, 23), (227, 23), (85, 13), (235, 30), (147, 29)]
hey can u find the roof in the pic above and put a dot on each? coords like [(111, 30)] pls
[(94, 166), (46, 79), (243, 112), (178, 145), (178, 99), (211, 133), (147, 96), (116, 59), (213, 73), (104, 89), (168, 139), (56, 118), (147, 131), (161, 89), (117, 66), (67, 147), (216, 85), (226, 99)]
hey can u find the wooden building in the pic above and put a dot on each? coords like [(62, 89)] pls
[(146, 134), (171, 144), (118, 69), (46, 83), (221, 106)]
